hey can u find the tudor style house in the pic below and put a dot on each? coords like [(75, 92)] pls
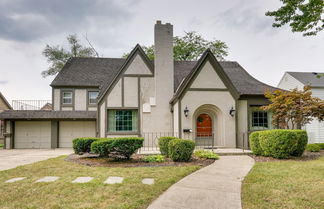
[(291, 80), (108, 97)]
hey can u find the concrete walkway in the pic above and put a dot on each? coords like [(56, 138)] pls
[(217, 186), (12, 158)]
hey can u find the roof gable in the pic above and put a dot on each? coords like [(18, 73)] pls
[(189, 79), (137, 51), (309, 78), (4, 100)]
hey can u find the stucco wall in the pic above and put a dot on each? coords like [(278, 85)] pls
[(207, 78), (176, 118), (80, 99), (242, 122), (102, 123), (224, 129), (130, 92), (138, 67), (57, 100), (114, 99)]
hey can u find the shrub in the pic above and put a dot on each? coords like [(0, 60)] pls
[(302, 140), (254, 143), (102, 147), (278, 143), (321, 145), (181, 149), (206, 154), (154, 158), (82, 145), (124, 147), (313, 148), (164, 144)]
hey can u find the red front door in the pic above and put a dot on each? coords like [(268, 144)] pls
[(204, 125)]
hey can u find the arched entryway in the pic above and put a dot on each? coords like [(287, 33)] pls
[(204, 125)]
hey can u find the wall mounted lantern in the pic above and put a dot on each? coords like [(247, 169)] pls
[(186, 111), (232, 112)]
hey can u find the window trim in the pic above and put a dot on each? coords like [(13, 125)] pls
[(254, 108), (61, 96), (88, 97), (123, 132)]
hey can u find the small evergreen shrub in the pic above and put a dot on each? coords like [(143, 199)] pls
[(321, 145), (164, 144), (278, 143), (124, 147), (83, 145), (302, 140), (181, 149), (206, 154), (313, 148), (154, 159), (102, 147), (254, 143)]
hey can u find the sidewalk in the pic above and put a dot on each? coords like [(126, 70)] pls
[(217, 186)]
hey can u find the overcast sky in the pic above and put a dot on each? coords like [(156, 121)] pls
[(115, 27)]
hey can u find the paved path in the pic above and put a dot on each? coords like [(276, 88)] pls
[(217, 186), (16, 157)]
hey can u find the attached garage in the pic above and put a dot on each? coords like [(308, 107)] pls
[(69, 130), (32, 134)]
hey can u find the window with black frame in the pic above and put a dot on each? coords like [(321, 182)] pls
[(260, 119), (122, 120)]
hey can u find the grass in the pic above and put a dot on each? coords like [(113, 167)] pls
[(1, 146), (63, 194), (285, 184)]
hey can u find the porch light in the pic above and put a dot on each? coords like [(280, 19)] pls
[(232, 112), (186, 111)]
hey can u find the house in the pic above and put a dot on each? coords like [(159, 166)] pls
[(47, 106), (108, 97), (4, 105), (291, 80)]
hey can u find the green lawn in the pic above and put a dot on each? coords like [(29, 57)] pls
[(63, 194), (285, 184)]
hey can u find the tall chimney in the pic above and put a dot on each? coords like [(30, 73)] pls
[(164, 75)]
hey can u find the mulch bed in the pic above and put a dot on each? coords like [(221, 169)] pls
[(305, 157), (135, 161)]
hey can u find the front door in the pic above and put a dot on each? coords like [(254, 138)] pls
[(204, 126)]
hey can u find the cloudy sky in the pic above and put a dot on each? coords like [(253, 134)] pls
[(116, 26)]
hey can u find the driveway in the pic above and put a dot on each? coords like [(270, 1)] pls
[(16, 157), (217, 186)]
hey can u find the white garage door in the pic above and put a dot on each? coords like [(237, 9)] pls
[(32, 134), (70, 130)]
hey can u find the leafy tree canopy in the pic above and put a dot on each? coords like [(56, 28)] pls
[(304, 16), (190, 47), (57, 56), (294, 109)]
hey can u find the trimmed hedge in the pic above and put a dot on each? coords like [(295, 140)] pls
[(254, 143), (126, 146), (83, 145), (321, 145), (278, 143), (102, 147), (122, 147), (181, 149), (313, 148), (164, 144)]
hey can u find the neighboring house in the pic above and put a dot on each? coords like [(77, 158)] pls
[(4, 105), (47, 106), (291, 80), (108, 97)]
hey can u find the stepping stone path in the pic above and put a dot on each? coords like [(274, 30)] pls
[(82, 179), (148, 181), (114, 180), (48, 179), (15, 179)]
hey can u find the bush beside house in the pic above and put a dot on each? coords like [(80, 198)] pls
[(164, 144), (278, 143), (313, 148), (181, 149), (83, 145)]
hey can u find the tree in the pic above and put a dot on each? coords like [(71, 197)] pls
[(190, 47), (294, 109), (57, 56), (304, 16)]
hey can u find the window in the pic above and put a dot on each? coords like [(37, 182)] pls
[(122, 120), (259, 118), (67, 97), (92, 95)]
